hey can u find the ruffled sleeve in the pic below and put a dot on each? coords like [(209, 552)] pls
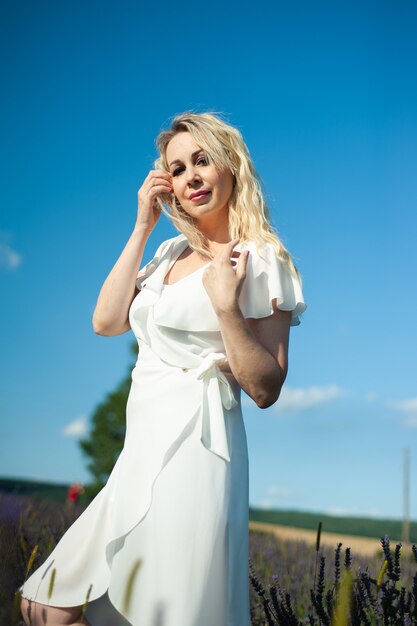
[(267, 279), (150, 267)]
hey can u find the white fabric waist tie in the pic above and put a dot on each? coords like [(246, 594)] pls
[(217, 393)]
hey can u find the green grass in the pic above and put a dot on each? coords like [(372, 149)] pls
[(364, 527)]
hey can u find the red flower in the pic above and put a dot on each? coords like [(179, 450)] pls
[(74, 492)]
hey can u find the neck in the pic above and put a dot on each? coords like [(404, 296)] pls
[(215, 230)]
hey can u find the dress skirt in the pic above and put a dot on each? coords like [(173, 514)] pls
[(171, 523)]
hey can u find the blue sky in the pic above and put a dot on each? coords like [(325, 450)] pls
[(325, 96)]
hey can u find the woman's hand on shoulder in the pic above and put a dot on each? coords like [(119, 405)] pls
[(156, 183), (223, 281)]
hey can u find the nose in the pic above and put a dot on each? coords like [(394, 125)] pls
[(192, 175)]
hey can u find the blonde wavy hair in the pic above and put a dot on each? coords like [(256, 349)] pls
[(248, 213)]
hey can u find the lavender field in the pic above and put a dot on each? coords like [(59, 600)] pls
[(291, 583)]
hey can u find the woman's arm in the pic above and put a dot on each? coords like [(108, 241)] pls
[(257, 352), (256, 349), (111, 315)]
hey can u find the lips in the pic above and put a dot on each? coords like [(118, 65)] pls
[(197, 195)]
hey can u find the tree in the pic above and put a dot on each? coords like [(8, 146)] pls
[(105, 440)]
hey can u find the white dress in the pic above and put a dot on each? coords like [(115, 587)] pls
[(171, 523)]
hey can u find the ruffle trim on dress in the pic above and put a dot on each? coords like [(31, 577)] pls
[(267, 280), (164, 252)]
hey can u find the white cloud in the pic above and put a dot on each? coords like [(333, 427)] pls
[(274, 497), (75, 429), (409, 409), (265, 504), (9, 258), (274, 490), (371, 396), (293, 400)]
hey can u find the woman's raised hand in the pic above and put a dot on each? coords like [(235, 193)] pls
[(156, 183), (222, 280)]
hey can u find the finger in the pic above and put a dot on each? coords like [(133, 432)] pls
[(160, 173), (158, 181), (156, 174), (242, 264), (157, 189), (233, 242), (234, 258), (226, 252)]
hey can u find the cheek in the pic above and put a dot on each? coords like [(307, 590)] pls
[(226, 187), (176, 188), (178, 194)]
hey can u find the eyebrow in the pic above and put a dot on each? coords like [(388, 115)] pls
[(193, 155)]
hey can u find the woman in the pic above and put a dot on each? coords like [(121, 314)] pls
[(211, 312)]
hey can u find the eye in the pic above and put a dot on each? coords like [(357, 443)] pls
[(177, 171), (202, 160)]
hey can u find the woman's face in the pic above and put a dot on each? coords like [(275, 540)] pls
[(198, 186)]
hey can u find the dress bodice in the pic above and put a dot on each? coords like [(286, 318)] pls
[(179, 324)]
